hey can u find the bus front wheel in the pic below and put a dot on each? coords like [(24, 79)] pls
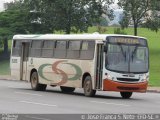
[(35, 83), (67, 89), (126, 95), (88, 90)]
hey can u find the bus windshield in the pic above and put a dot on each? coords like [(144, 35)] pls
[(126, 58)]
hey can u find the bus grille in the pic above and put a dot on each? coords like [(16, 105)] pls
[(127, 88), (128, 79)]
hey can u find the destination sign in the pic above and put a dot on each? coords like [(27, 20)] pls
[(127, 40)]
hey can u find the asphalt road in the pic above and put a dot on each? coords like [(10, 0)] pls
[(16, 97)]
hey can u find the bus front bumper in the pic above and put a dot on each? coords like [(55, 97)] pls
[(109, 85)]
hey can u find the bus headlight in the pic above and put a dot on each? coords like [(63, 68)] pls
[(145, 77), (108, 76)]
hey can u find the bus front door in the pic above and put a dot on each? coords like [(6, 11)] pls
[(99, 66), (24, 60)]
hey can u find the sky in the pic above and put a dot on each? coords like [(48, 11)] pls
[(8, 0), (2, 2)]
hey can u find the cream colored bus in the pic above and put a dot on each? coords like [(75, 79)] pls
[(89, 61)]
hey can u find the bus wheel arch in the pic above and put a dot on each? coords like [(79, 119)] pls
[(33, 70), (83, 78), (34, 80), (87, 86)]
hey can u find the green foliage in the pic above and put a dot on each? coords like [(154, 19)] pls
[(14, 18), (101, 29), (12, 21), (154, 25), (48, 16), (153, 22), (119, 31), (66, 15), (137, 11), (4, 67), (103, 21)]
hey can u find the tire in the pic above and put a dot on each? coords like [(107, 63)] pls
[(126, 95), (87, 86), (67, 89), (35, 85)]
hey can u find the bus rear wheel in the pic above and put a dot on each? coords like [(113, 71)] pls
[(67, 89), (35, 83), (126, 95), (87, 86)]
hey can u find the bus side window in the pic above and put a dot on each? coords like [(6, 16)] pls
[(87, 50), (48, 48), (61, 49), (16, 49), (35, 50), (73, 51)]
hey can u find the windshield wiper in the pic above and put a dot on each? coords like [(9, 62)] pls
[(134, 51), (123, 53)]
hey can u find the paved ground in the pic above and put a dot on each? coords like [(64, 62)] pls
[(17, 100), (17, 97)]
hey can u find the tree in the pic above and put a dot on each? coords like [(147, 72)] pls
[(67, 15), (153, 22), (136, 11), (4, 33), (12, 21)]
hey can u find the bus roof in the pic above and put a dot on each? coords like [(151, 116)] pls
[(68, 36)]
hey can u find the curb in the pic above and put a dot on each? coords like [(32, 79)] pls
[(7, 77), (153, 89)]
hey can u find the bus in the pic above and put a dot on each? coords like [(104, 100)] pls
[(93, 62)]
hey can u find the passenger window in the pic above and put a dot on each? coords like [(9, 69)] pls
[(74, 49), (36, 44), (87, 50), (61, 45), (35, 50), (16, 50), (85, 45), (61, 49), (74, 45), (47, 49)]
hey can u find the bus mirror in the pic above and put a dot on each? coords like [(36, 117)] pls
[(105, 48)]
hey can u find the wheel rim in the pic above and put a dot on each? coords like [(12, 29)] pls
[(87, 87), (34, 81)]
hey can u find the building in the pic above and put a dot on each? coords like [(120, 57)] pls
[(2, 5)]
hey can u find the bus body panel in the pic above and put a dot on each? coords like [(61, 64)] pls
[(61, 72), (70, 72), (110, 85), (15, 67)]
